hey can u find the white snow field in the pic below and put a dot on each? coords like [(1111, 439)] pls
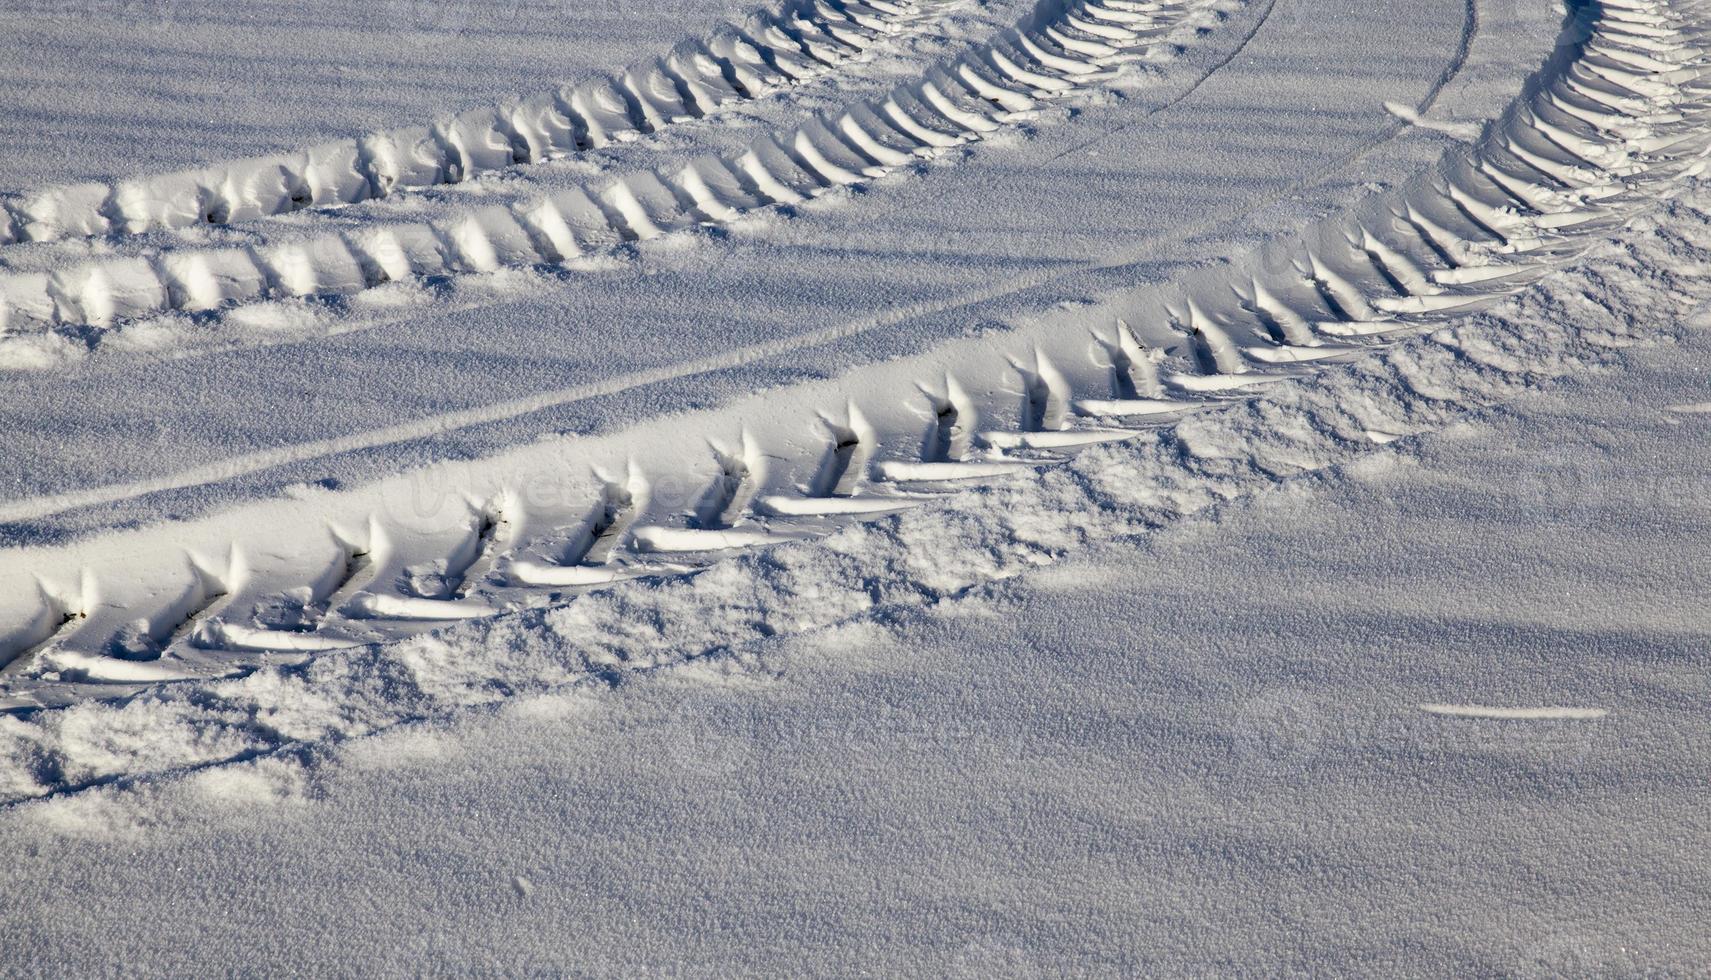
[(877, 487)]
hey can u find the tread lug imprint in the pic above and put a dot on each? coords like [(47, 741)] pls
[(1626, 114)]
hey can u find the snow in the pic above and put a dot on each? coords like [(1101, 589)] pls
[(110, 88), (1211, 488), (923, 257), (1200, 749)]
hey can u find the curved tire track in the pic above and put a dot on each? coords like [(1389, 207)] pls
[(1596, 144), (802, 40), (1070, 45)]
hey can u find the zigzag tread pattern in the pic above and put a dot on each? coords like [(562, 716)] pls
[(951, 104), (1595, 144)]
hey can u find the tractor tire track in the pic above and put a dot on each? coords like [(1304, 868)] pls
[(736, 63), (1069, 46), (1596, 144)]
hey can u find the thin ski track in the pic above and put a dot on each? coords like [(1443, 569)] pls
[(1601, 142), (1064, 47)]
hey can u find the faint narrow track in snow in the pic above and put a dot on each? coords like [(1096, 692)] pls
[(770, 50), (1419, 111), (1515, 714), (1065, 47), (1457, 62), (1464, 47), (1193, 87), (1596, 143)]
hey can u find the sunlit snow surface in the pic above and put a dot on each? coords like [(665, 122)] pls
[(863, 630), (1203, 749)]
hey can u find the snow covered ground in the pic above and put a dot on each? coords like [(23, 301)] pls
[(1201, 750), (953, 487)]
